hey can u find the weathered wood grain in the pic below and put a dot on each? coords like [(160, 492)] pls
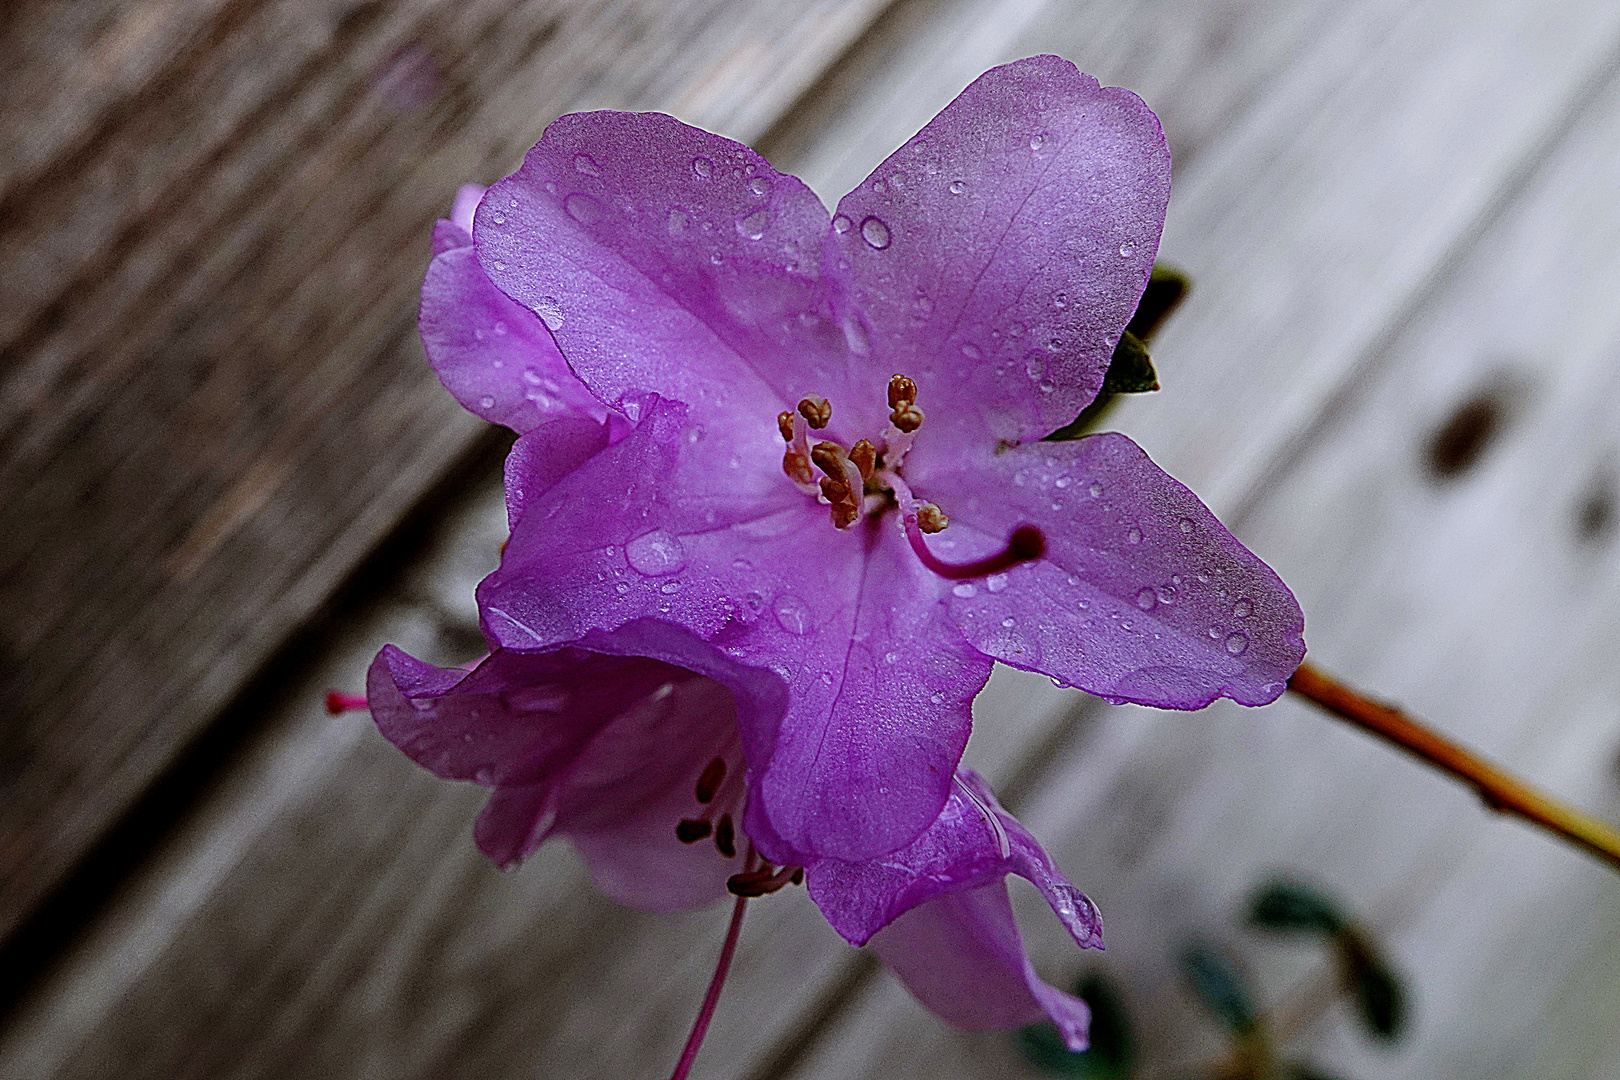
[(329, 888), (212, 403)]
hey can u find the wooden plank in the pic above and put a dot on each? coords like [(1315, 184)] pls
[(1485, 601), (387, 960), (212, 404)]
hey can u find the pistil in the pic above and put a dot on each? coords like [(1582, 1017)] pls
[(711, 998)]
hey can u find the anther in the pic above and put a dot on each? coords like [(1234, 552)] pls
[(829, 458), (864, 455), (902, 391), (907, 418), (708, 782), (725, 837), (931, 519), (784, 424), (797, 468), (817, 412), (764, 881), (691, 830)]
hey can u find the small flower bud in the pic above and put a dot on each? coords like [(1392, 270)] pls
[(816, 411), (902, 391), (784, 424), (931, 519), (864, 455), (798, 470), (906, 417)]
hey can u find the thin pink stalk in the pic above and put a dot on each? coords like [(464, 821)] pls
[(700, 1027)]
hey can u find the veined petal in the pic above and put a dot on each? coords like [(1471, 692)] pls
[(996, 257), (961, 955), (669, 260), (492, 353), (881, 684), (1142, 596)]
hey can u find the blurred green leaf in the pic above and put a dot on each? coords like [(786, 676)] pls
[(1286, 906), (1113, 1047), (1166, 288), (1301, 1071), (1215, 978), (1381, 1000), (1131, 370)]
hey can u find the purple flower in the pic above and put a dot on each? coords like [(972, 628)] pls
[(644, 765), (961, 303)]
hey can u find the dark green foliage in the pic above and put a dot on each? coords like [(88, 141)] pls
[(1380, 998), (1131, 371), (1166, 288), (1286, 906), (1214, 976), (1113, 1047)]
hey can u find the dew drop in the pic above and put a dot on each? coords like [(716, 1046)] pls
[(716, 258), (1145, 600), (957, 187), (1060, 301), (1167, 594), (499, 266), (755, 602), (702, 167), (1037, 141), (741, 564), (1236, 644), (875, 233), (584, 164), (891, 658), (937, 699), (655, 554), (842, 224), (499, 218), (996, 582), (1243, 609), (622, 588), (1009, 622), (1186, 526), (550, 312), (1046, 386), (793, 615), (1214, 633), (753, 225), (582, 208), (531, 376), (1096, 489), (967, 590), (677, 221), (1134, 536), (670, 587), (782, 670), (1061, 482), (971, 351), (760, 185), (1127, 249)]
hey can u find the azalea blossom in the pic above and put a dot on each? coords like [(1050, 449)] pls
[(823, 453), (644, 765)]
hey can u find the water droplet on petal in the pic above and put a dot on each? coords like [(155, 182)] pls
[(971, 351), (957, 187), (622, 587), (1134, 536), (499, 218), (1167, 594), (550, 312), (891, 658), (1145, 600), (703, 167), (655, 554), (1236, 644), (875, 232), (1127, 249), (1046, 386), (677, 221), (531, 376), (669, 587), (842, 224), (996, 582), (1186, 526), (1243, 609), (582, 208), (741, 564), (755, 602), (760, 185), (1096, 489), (937, 699), (793, 615), (486, 402), (499, 266), (716, 258), (753, 225), (1037, 140), (967, 590), (584, 164)]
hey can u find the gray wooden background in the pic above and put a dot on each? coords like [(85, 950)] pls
[(228, 477)]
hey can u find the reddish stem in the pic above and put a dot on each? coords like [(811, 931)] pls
[(700, 1026), (1026, 544), (339, 702)]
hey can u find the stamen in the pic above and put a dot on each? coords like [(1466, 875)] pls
[(907, 418), (930, 518), (902, 391), (817, 412), (764, 881), (864, 456), (337, 702), (725, 837), (709, 780), (784, 424), (711, 998), (1026, 544), (797, 467), (691, 830)]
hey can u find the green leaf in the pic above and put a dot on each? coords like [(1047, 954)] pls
[(1131, 370), (1381, 1001), (1215, 978), (1166, 288), (1113, 1047), (1287, 906)]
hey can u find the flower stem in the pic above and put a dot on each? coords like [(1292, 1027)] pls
[(1500, 790), (700, 1026)]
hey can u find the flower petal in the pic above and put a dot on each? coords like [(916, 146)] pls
[(961, 955), (669, 260), (997, 256), (659, 526), (492, 353), (1143, 595), (974, 841)]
